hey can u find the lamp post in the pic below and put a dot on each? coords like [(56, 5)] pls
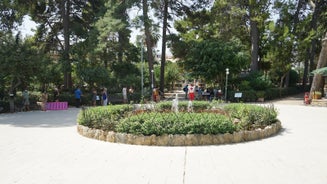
[(227, 72), (142, 69), (152, 83)]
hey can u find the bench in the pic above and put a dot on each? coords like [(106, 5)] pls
[(57, 105)]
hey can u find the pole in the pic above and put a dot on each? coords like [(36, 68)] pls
[(152, 87), (227, 72), (142, 75)]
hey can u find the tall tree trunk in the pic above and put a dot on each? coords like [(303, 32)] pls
[(305, 72), (122, 35), (66, 60), (322, 62), (294, 32), (148, 41), (309, 60), (121, 47), (163, 48), (12, 94), (254, 34)]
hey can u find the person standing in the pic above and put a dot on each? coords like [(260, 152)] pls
[(78, 95), (94, 97), (44, 99), (56, 95), (130, 92), (185, 89), (191, 92), (104, 97), (156, 96), (26, 101), (124, 91)]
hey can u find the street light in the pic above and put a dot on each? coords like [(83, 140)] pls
[(142, 69), (152, 83), (227, 72)]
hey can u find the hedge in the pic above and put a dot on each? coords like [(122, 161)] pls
[(211, 118)]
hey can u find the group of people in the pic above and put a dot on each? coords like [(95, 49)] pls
[(189, 90), (43, 103), (195, 92), (103, 97)]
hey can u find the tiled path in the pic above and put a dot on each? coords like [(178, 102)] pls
[(45, 148)]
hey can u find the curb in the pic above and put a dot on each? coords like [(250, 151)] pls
[(179, 140)]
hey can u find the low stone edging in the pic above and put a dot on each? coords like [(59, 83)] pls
[(179, 140)]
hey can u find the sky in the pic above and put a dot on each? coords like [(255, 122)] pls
[(28, 26)]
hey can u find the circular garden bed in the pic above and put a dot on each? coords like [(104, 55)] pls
[(203, 123)]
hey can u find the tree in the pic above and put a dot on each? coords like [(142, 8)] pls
[(244, 20), (208, 59), (113, 30), (258, 14), (68, 19), (11, 14), (172, 75), (178, 8), (21, 61), (318, 8), (322, 62), (149, 41), (194, 27), (279, 48)]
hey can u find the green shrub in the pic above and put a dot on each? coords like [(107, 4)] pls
[(252, 116), (247, 96), (103, 117), (181, 123), (183, 105), (213, 119)]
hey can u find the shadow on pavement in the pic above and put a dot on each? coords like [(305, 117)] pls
[(47, 119)]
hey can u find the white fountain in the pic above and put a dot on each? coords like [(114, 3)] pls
[(190, 106), (174, 106)]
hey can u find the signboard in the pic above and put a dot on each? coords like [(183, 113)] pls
[(238, 95)]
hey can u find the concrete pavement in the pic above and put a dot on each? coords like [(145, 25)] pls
[(45, 148)]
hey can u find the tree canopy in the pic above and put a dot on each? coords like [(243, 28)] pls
[(88, 42)]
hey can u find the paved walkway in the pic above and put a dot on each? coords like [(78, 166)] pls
[(44, 148)]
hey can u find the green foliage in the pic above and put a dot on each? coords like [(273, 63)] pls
[(105, 118), (294, 78), (93, 75), (181, 123), (18, 101), (22, 63), (247, 96), (252, 116), (257, 81), (274, 93), (208, 118), (268, 94), (183, 106), (208, 59), (172, 74)]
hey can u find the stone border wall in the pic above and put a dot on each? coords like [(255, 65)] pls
[(179, 140)]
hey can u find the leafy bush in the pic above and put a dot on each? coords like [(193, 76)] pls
[(103, 117), (183, 105), (247, 96), (213, 119), (18, 100), (181, 123), (274, 93), (252, 116)]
